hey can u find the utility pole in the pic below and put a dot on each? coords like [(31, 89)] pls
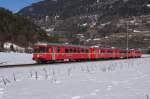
[(127, 39)]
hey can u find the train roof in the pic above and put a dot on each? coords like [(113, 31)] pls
[(57, 44), (68, 45)]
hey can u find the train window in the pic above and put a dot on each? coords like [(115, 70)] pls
[(75, 50), (41, 50), (123, 52), (67, 50), (102, 51), (58, 49), (70, 50), (46, 50), (87, 51), (35, 50), (82, 50), (109, 51), (93, 51), (78, 50)]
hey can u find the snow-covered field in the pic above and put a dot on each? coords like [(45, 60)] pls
[(11, 58), (117, 79)]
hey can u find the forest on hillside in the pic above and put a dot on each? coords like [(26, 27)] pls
[(18, 30)]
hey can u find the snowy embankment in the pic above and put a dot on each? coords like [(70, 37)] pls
[(117, 79), (12, 58)]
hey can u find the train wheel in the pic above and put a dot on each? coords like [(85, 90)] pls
[(41, 61)]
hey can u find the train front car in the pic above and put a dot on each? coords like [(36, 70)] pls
[(40, 54)]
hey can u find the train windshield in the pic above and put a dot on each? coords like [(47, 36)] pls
[(40, 50)]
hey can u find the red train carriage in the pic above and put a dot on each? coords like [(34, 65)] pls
[(44, 53), (53, 52), (130, 53)]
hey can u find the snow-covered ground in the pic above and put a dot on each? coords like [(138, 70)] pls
[(11, 58), (117, 79)]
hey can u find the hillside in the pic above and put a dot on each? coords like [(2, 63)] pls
[(93, 22), (103, 8), (18, 30)]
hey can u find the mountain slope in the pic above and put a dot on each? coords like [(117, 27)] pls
[(18, 30), (104, 8), (92, 22)]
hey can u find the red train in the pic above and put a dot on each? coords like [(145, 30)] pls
[(44, 53)]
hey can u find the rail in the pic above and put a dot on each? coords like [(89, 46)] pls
[(35, 64)]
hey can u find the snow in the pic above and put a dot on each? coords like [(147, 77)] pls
[(136, 31), (106, 37), (49, 29), (8, 45), (88, 40), (148, 5), (85, 24), (113, 79), (96, 39), (10, 58)]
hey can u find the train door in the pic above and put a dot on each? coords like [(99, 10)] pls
[(115, 53), (97, 53), (118, 55), (53, 53), (90, 53)]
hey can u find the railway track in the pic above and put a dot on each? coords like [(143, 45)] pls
[(35, 64), (18, 65)]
